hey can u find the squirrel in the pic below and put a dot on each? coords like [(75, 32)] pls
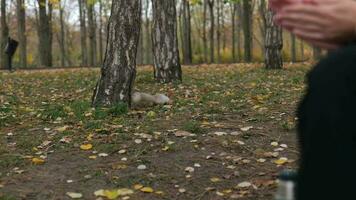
[(140, 98)]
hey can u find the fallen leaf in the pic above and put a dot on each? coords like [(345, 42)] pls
[(86, 147), (182, 134), (138, 186), (244, 129), (38, 161), (244, 185), (281, 161), (215, 179), (142, 167), (146, 190), (74, 195)]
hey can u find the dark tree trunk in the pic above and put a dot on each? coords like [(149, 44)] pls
[(4, 35), (212, 29), (44, 35), (293, 48), (233, 21), (247, 28), (165, 42), (187, 43), (218, 31), (101, 48), (239, 30), (205, 40), (119, 69), (92, 35), (50, 31), (274, 44), (83, 33), (62, 38), (21, 32)]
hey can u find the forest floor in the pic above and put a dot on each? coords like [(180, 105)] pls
[(227, 134)]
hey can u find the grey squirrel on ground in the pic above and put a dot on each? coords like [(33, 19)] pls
[(140, 98)]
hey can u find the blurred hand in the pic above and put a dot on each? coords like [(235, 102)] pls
[(325, 23)]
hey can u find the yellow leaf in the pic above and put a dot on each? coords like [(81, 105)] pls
[(166, 148), (124, 191), (215, 179), (138, 186), (281, 161), (92, 157), (38, 161), (86, 146), (146, 190), (151, 114), (159, 192), (111, 194), (90, 137)]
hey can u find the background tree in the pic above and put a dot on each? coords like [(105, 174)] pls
[(92, 34), (247, 29), (119, 68), (4, 35), (274, 44), (83, 33), (167, 66), (212, 29), (187, 41), (44, 35), (21, 31)]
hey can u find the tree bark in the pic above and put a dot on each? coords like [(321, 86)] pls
[(62, 37), (4, 35), (273, 44), (167, 66), (44, 35), (317, 53), (247, 29), (148, 45), (233, 21), (187, 43), (212, 29), (101, 48), (21, 32), (218, 33), (119, 69), (83, 34), (92, 35), (205, 40), (293, 48), (50, 31)]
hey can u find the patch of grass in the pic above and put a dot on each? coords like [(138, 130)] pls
[(119, 109), (9, 161), (92, 125), (192, 126), (54, 111), (7, 197), (79, 108)]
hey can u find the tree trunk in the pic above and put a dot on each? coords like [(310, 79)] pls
[(44, 36), (302, 50), (119, 68), (293, 48), (212, 24), (205, 40), (83, 34), (21, 32), (4, 35), (92, 35), (50, 31), (148, 52), (239, 29), (187, 45), (247, 29), (233, 21), (165, 42), (62, 36), (273, 44), (218, 33), (101, 48)]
